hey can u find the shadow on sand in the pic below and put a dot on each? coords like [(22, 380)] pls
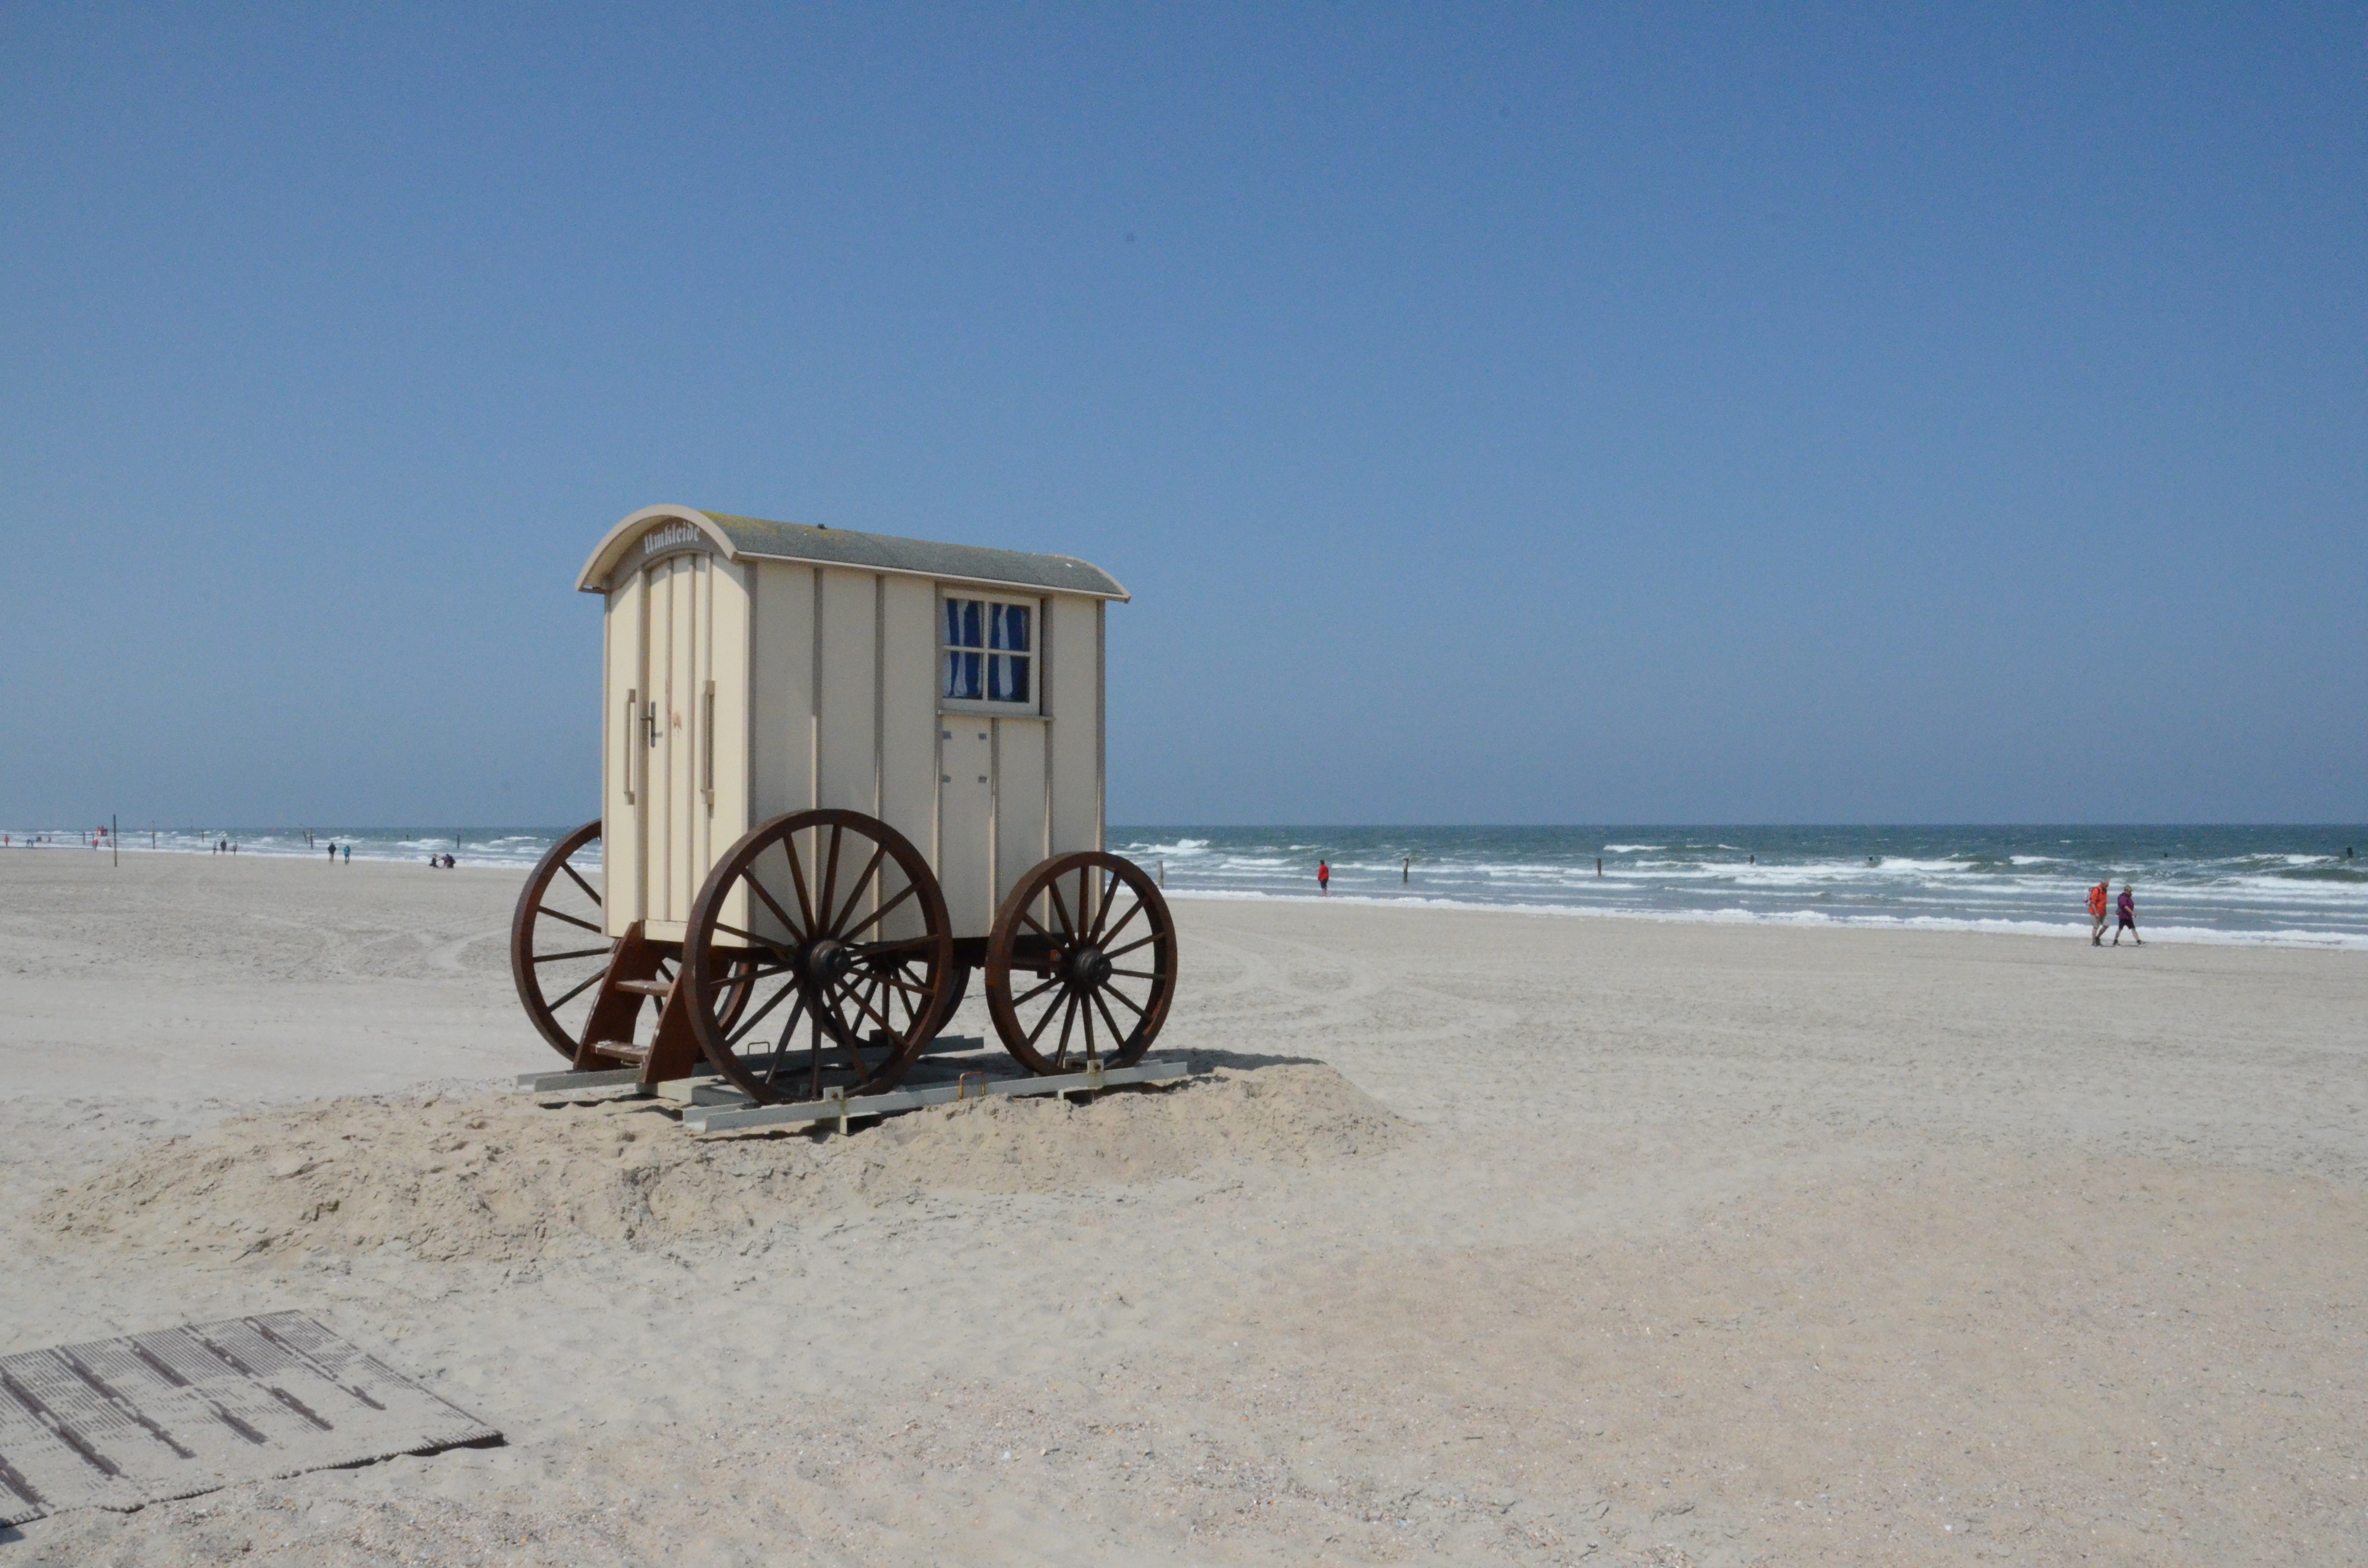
[(1244, 1061)]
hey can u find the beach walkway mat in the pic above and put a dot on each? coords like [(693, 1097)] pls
[(119, 1423)]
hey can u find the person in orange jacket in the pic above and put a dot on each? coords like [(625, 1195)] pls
[(2098, 897)]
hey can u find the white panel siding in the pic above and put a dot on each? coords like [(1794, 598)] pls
[(620, 758), (657, 777), (728, 648), (728, 667), (696, 739), (1018, 800), (908, 711), (682, 803), (846, 749), (1101, 724), (781, 696), (966, 821), (1073, 703)]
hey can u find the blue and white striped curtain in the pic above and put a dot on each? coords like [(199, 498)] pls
[(999, 670), (1007, 673), (963, 671)]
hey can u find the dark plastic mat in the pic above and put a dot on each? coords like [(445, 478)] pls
[(118, 1423)]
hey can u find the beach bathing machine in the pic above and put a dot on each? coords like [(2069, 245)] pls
[(840, 772)]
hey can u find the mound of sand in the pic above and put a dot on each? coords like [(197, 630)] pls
[(500, 1178), (488, 1178), (1289, 1115)]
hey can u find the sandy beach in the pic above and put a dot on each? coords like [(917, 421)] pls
[(1487, 1237)]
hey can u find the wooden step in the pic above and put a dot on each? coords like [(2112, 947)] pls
[(619, 1051)]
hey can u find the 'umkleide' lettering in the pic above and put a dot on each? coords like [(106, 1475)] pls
[(667, 538)]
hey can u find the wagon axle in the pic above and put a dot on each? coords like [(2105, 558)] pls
[(808, 1010)]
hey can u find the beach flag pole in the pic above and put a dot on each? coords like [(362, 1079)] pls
[(115, 836)]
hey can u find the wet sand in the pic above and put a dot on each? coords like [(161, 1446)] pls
[(1492, 1237)]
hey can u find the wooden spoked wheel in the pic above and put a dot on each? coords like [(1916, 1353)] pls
[(559, 951), (1081, 965), (836, 928), (559, 946)]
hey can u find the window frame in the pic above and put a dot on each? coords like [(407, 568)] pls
[(1034, 706)]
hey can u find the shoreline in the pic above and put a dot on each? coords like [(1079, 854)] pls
[(1804, 920), (276, 855)]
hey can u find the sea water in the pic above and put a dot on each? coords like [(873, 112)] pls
[(2284, 885)]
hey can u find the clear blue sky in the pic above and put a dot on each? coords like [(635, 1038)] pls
[(1501, 414)]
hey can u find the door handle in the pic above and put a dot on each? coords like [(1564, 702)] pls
[(707, 747), (632, 710)]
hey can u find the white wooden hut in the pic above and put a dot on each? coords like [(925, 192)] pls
[(774, 693), (756, 667)]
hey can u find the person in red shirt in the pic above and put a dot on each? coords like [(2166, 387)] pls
[(1324, 876), (2097, 897)]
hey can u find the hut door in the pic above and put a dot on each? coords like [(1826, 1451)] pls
[(679, 676), (966, 821)]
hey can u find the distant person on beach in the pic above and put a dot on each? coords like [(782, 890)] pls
[(1322, 876), (349, 854), (333, 851), (2097, 897), (449, 863), (2127, 908)]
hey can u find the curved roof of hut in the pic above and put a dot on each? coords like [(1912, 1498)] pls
[(760, 539)]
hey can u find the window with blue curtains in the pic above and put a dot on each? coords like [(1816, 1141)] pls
[(988, 646)]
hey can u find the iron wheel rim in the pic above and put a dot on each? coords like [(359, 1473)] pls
[(1081, 966), (842, 988)]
